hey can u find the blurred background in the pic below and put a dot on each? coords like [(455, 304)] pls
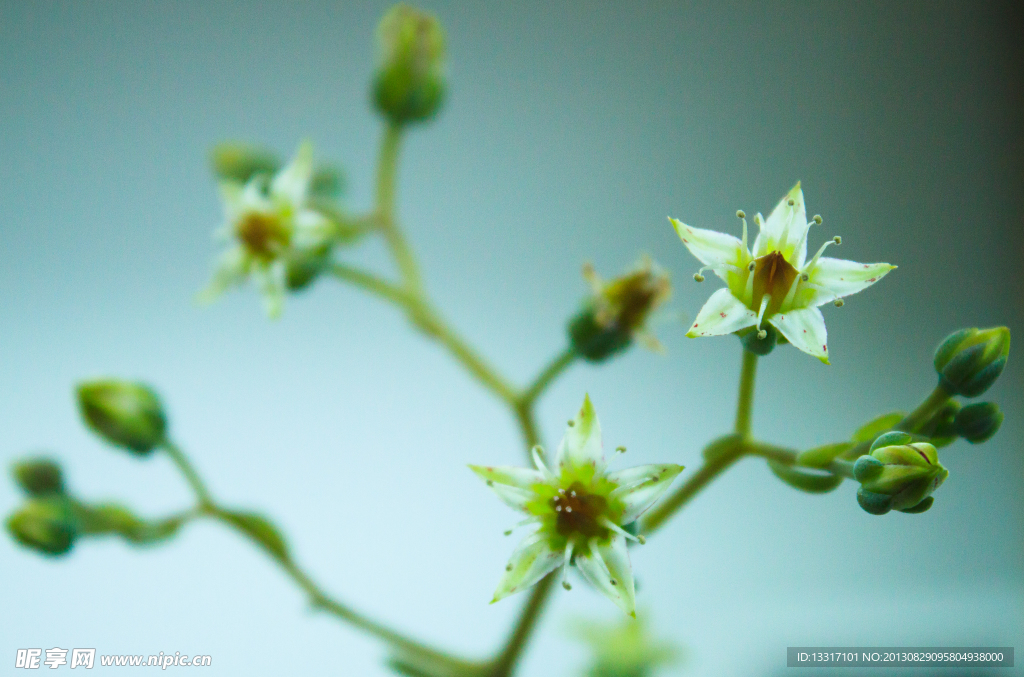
[(571, 131)]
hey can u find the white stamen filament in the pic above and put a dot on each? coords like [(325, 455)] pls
[(608, 524), (760, 313), (565, 564), (791, 294), (813, 261), (743, 217), (748, 292), (818, 287)]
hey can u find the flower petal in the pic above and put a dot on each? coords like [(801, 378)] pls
[(838, 277), (607, 568), (722, 314), (711, 247), (805, 329), (511, 484), (785, 229), (641, 486), (292, 182), (582, 442), (312, 229), (532, 560), (272, 283)]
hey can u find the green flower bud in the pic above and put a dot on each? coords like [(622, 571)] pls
[(39, 476), (970, 360), (898, 476), (618, 311), (409, 85), (240, 162), (304, 267), (978, 422), (45, 524), (125, 414)]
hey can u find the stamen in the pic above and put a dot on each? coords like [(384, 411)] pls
[(565, 564), (791, 294), (835, 296), (813, 261), (839, 303), (760, 313), (620, 450), (697, 277), (571, 423), (742, 215), (608, 524), (748, 292), (817, 219)]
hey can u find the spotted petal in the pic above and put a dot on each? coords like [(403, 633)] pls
[(607, 568), (805, 329), (641, 486), (785, 229), (511, 484), (532, 560), (838, 277), (582, 442), (722, 314), (711, 247)]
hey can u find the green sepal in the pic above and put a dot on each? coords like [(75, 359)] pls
[(593, 342), (866, 468), (805, 481), (760, 347), (260, 530), (920, 507), (872, 503), (821, 457), (878, 425), (944, 353), (889, 439)]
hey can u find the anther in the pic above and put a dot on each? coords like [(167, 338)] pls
[(620, 450), (508, 532), (762, 334), (571, 423), (740, 214), (805, 277), (697, 277), (839, 303), (573, 494), (565, 584), (568, 508), (817, 219), (837, 239), (751, 266), (641, 539)]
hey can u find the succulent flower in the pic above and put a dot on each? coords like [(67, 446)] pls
[(578, 510), (774, 283), (271, 223)]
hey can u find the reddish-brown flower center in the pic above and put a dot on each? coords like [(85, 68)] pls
[(262, 234), (577, 512), (773, 275)]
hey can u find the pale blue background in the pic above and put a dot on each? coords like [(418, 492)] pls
[(570, 133)]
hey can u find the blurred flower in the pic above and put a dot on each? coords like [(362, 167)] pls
[(46, 524), (774, 283), (625, 649), (39, 476), (409, 84), (618, 311), (579, 511), (270, 224)]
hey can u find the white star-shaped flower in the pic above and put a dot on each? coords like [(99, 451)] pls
[(578, 510), (775, 283), (268, 220)]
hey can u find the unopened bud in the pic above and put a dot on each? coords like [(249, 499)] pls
[(409, 85), (39, 476), (978, 422), (45, 524), (970, 360), (898, 476), (127, 415), (240, 162)]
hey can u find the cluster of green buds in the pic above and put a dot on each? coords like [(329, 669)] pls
[(898, 474), (618, 311), (125, 414), (409, 85)]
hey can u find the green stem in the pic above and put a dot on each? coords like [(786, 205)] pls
[(387, 170), (371, 283), (714, 466), (838, 466), (554, 369), (745, 403), (191, 476), (505, 662), (932, 403)]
